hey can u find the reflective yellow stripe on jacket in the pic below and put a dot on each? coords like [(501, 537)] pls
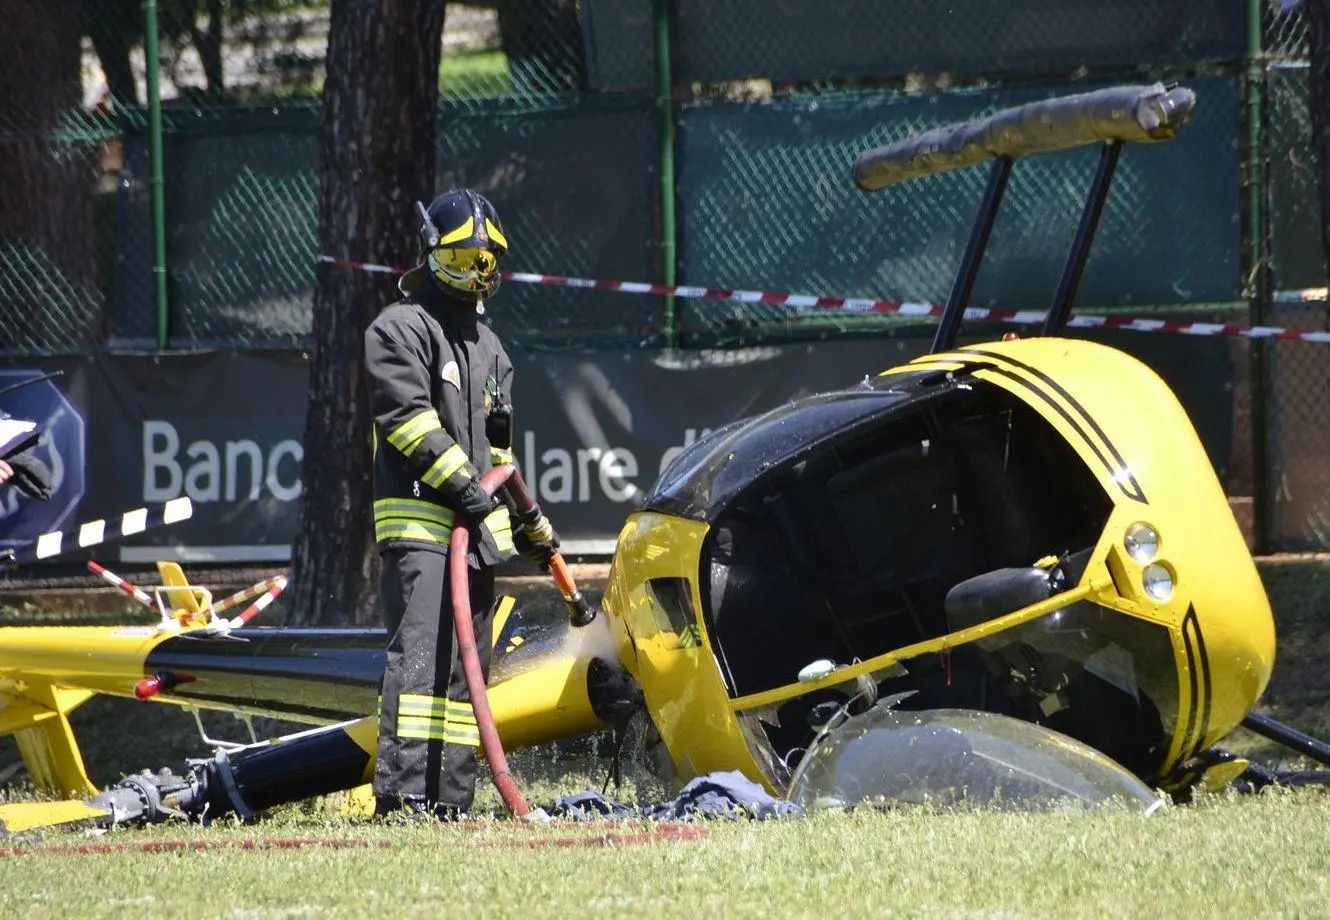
[(449, 462), (414, 519), (407, 436), (500, 528)]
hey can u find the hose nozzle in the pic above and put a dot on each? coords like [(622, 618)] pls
[(580, 611)]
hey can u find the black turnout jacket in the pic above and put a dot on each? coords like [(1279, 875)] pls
[(434, 372)]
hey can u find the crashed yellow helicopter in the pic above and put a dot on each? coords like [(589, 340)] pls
[(1021, 533)]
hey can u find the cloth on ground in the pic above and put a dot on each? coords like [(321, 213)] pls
[(723, 794)]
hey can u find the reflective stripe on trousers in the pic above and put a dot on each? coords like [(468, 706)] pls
[(428, 738)]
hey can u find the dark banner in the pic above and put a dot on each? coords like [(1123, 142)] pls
[(594, 431), (223, 428)]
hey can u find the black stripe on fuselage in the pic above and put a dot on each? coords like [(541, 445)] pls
[(1199, 665), (1118, 467), (1193, 696), (1112, 461)]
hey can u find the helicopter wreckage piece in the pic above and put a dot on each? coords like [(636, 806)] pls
[(1019, 532)]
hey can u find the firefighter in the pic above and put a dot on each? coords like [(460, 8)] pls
[(440, 387)]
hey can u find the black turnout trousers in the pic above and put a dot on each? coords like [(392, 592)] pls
[(428, 738)]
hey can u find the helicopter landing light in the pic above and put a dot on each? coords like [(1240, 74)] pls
[(1141, 542), (1157, 579)]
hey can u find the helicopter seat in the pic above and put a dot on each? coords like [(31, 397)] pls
[(995, 519), (765, 618), (895, 517)]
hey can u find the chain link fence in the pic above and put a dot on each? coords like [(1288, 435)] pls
[(57, 188), (769, 193), (577, 116), (552, 107), (1297, 376)]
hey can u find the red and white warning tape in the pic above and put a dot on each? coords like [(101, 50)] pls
[(858, 305), (247, 593), (254, 609), (132, 590), (361, 266)]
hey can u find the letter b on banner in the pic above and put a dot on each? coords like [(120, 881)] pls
[(62, 444)]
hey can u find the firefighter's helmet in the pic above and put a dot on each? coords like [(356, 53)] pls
[(464, 244)]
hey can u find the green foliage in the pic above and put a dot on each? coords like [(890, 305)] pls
[(476, 74)]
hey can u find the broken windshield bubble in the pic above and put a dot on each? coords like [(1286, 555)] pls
[(960, 758)]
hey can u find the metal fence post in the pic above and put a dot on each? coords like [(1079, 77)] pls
[(665, 106), (157, 190), (1256, 270)]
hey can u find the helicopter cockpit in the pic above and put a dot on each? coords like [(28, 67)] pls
[(1025, 527), (848, 524)]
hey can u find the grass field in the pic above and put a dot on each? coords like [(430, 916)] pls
[(1225, 856)]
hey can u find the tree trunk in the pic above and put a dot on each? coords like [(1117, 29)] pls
[(115, 28), (46, 182), (377, 157), (1318, 21), (208, 43)]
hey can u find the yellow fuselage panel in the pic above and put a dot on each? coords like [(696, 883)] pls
[(1128, 428), (677, 672)]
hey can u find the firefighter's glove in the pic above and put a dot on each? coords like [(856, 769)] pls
[(535, 538), (539, 529), (468, 499), (539, 553)]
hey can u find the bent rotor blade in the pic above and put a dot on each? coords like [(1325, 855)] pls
[(92, 533), (17, 817)]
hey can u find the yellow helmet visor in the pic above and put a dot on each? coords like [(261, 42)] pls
[(466, 268)]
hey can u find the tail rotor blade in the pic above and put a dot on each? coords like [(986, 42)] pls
[(93, 533)]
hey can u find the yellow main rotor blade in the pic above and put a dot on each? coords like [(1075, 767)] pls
[(17, 817)]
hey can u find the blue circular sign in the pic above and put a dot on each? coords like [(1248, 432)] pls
[(61, 448)]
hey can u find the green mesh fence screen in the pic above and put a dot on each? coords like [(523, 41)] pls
[(577, 189), (1297, 374), (1298, 442), (1283, 29), (551, 108), (242, 221), (569, 182), (58, 155), (1296, 254), (770, 203)]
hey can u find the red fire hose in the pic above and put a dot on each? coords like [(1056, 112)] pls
[(580, 612)]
